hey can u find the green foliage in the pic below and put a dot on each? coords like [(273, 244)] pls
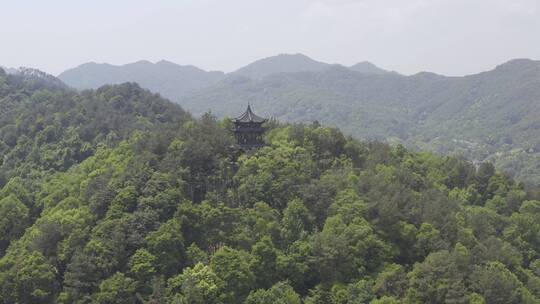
[(233, 267), (489, 116), (295, 222), (347, 250), (392, 281), (167, 245), (277, 171), (13, 220), (386, 300), (116, 289), (142, 265), (438, 279), (162, 211), (197, 285), (264, 262), (498, 285), (280, 293), (30, 279)]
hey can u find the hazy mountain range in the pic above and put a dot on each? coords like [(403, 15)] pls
[(9, 70), (491, 115), (177, 81), (169, 79), (282, 63)]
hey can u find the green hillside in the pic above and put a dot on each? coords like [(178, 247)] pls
[(488, 116), (116, 195)]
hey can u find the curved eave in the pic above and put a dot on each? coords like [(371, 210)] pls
[(249, 116)]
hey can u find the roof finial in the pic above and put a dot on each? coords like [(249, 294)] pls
[(249, 116)]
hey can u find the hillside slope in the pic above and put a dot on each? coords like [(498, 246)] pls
[(116, 195), (487, 116), (46, 127)]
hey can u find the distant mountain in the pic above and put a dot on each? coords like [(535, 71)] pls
[(169, 79), (176, 81), (294, 63), (488, 116), (33, 78), (368, 68), (283, 63), (9, 70)]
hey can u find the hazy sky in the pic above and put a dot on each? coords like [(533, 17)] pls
[(452, 37)]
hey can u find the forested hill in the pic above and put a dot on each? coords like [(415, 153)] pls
[(9, 70), (46, 127), (488, 116), (118, 196)]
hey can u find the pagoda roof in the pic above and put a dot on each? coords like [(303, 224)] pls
[(249, 116)]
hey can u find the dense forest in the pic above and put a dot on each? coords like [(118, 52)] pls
[(489, 116), (117, 195)]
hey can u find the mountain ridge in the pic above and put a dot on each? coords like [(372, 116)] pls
[(367, 67), (9, 70), (172, 80), (282, 63), (487, 116), (169, 79)]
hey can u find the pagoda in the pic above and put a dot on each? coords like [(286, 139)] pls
[(248, 130)]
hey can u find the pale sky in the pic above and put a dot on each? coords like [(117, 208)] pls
[(451, 37)]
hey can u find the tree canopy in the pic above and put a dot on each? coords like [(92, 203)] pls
[(163, 212)]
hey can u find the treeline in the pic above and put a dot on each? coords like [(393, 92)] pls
[(165, 212)]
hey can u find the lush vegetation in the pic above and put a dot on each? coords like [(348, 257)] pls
[(490, 116), (163, 211)]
